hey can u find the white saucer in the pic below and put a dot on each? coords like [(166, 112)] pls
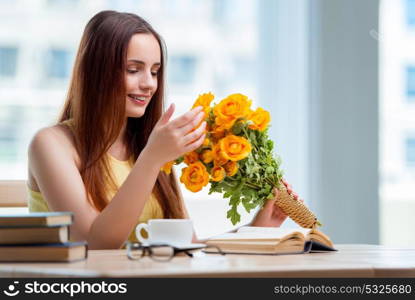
[(190, 246)]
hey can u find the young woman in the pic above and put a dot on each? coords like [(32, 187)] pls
[(102, 159)]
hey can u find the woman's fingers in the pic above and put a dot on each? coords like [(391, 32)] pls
[(287, 186), (167, 115), (196, 144), (194, 135), (192, 124), (186, 118), (290, 190)]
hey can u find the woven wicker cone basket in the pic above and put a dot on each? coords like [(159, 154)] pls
[(296, 210)]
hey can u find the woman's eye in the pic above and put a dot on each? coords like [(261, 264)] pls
[(154, 73), (132, 71)]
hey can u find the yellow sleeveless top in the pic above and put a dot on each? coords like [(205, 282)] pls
[(120, 169)]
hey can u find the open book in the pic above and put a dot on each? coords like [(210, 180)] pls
[(271, 240)]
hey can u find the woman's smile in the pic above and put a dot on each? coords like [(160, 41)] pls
[(138, 99)]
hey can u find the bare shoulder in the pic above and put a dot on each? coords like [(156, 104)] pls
[(54, 142), (56, 137)]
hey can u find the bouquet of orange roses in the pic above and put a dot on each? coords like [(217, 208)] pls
[(237, 159)]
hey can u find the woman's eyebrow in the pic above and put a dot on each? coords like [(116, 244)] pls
[(141, 62)]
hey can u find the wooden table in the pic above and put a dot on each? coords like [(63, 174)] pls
[(349, 261)]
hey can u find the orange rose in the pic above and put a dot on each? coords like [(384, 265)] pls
[(234, 147), (204, 100), (195, 177), (231, 167), (218, 158), (261, 119), (207, 156), (191, 157), (231, 108), (217, 173), (167, 167)]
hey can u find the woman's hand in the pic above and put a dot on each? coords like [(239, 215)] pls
[(171, 139), (270, 215)]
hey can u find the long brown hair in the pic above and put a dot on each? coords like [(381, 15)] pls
[(95, 104)]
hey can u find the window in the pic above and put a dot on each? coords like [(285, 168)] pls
[(62, 3), (397, 148), (410, 13), (199, 51), (244, 69), (410, 151), (9, 134), (410, 83), (58, 63), (8, 61), (219, 10), (182, 69)]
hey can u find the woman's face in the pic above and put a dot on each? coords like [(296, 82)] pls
[(143, 64)]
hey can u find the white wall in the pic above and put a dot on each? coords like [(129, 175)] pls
[(344, 119)]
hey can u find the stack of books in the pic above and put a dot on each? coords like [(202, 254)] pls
[(39, 237)]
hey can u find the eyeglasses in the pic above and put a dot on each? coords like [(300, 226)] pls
[(160, 252)]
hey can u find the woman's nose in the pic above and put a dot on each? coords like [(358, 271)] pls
[(148, 81)]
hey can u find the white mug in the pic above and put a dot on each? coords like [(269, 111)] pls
[(176, 232)]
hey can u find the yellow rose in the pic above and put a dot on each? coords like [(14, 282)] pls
[(218, 158), (191, 157), (204, 100), (195, 177), (234, 147), (224, 126), (261, 119), (167, 167), (231, 167), (207, 156), (217, 173), (206, 142), (231, 108), (217, 134)]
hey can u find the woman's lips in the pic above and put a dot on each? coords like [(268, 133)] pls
[(137, 99)]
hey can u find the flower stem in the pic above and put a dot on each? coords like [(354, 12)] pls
[(246, 134), (253, 186)]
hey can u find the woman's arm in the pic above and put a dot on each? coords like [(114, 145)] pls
[(60, 182), (55, 169)]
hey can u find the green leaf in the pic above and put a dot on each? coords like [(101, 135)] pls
[(179, 160), (269, 170), (227, 195), (235, 199), (248, 204), (233, 215)]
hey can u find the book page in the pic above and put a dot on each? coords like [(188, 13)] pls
[(261, 234), (315, 235), (275, 231), (245, 236)]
